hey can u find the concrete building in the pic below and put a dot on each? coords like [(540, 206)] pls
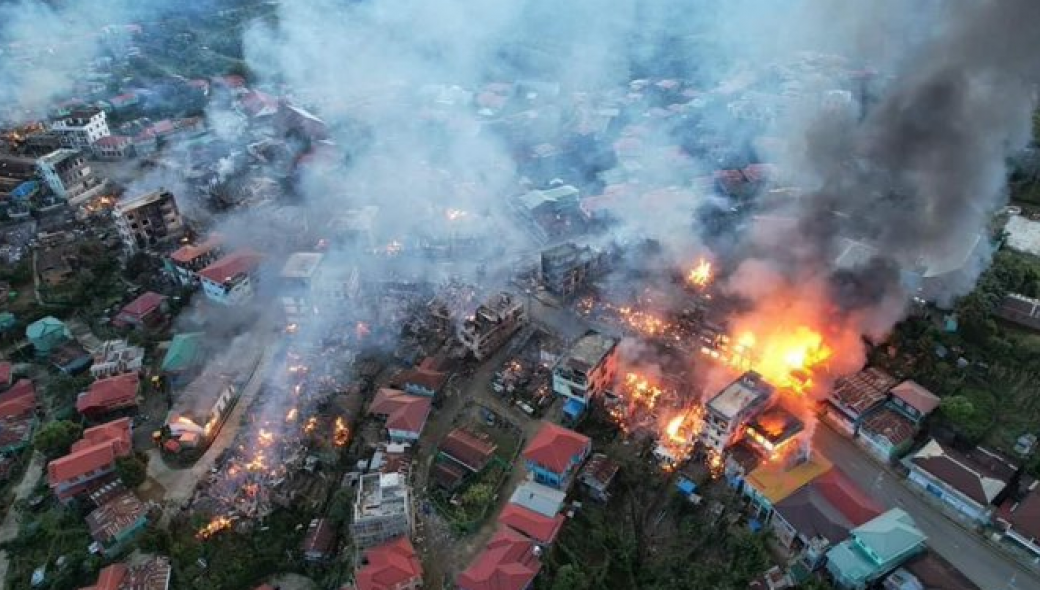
[(82, 128), (231, 280), (588, 369), (298, 278), (729, 411), (69, 177), (148, 220), (970, 483), (492, 324), (855, 396), (566, 268), (116, 357), (185, 262), (555, 454), (382, 510), (875, 549)]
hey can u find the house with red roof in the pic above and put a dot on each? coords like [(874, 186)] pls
[(821, 514), (469, 450), (185, 262), (6, 375), (390, 566), (19, 399), (108, 395), (152, 574), (231, 279), (422, 380), (886, 433), (90, 460), (17, 416), (116, 522), (913, 401), (1022, 520), (509, 561), (554, 455), (147, 311), (970, 483), (405, 414), (535, 526)]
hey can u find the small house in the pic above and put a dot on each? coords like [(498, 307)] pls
[(886, 434), (116, 522), (147, 311), (554, 455), (597, 475), (913, 401), (874, 549), (46, 334), (509, 561), (971, 483), (393, 565), (405, 415), (105, 396), (319, 543)]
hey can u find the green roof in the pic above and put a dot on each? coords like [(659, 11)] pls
[(184, 351), (890, 535), (44, 326)]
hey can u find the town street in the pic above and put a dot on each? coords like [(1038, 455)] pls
[(983, 564)]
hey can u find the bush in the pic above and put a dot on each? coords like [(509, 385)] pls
[(55, 438)]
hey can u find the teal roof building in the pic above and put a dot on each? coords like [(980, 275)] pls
[(874, 549)]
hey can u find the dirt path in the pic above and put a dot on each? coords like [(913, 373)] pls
[(9, 528)]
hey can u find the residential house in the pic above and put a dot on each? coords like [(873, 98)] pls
[(151, 574), (91, 458), (971, 483), (147, 311), (927, 571), (597, 475), (116, 357), (382, 510), (81, 128), (116, 522), (774, 481), (231, 280), (70, 358), (319, 544), (46, 334), (17, 417), (741, 459), (509, 561), (535, 526), (1021, 310), (492, 325), (874, 549), (114, 147), (886, 434), (109, 395), (773, 430), (1022, 521), (69, 176), (470, 451), (148, 220), (913, 401), (821, 514), (728, 411), (554, 455), (299, 275), (185, 262), (391, 566), (855, 396), (405, 414), (183, 359), (422, 380), (587, 370), (538, 498)]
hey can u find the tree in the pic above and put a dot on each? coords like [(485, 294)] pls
[(340, 507), (958, 409), (132, 471), (54, 438), (478, 494), (569, 577)]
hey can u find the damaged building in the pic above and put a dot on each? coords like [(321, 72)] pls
[(382, 510), (492, 324), (567, 268)]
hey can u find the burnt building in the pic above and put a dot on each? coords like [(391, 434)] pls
[(69, 176), (492, 324), (148, 220), (567, 268)]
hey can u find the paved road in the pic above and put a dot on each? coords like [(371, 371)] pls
[(9, 528), (983, 564)]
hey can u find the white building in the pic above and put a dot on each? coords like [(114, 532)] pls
[(492, 325), (231, 280), (301, 272), (81, 129), (382, 509), (148, 220), (588, 369), (69, 177), (730, 410), (117, 357)]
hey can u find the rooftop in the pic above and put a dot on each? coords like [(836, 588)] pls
[(1023, 235), (774, 427), (747, 391), (381, 494), (538, 527), (99, 447), (508, 562), (600, 470), (189, 252), (184, 351), (932, 573), (776, 480), (18, 400), (916, 396), (109, 394), (320, 538), (862, 391), (541, 499), (888, 536), (143, 200), (115, 516), (889, 424), (978, 474), (589, 351), (144, 304), (302, 265), (472, 450), (389, 566), (403, 411), (1025, 516), (232, 266), (828, 507), (555, 447)]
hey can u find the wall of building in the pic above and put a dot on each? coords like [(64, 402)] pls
[(948, 496)]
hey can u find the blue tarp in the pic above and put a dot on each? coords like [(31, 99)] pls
[(686, 486), (754, 525), (24, 190), (573, 408)]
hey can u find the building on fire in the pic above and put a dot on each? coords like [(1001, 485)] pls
[(492, 324), (729, 411), (148, 220)]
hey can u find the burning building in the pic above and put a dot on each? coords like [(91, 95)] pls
[(492, 324), (772, 430), (567, 268), (731, 409), (148, 220), (588, 369), (382, 510)]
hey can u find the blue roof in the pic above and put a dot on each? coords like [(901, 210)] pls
[(686, 486), (574, 408), (25, 190)]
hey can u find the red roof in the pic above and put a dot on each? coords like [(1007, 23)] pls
[(843, 494), (978, 474), (389, 566), (916, 396), (891, 425), (110, 578), (233, 265), (508, 562), (6, 370), (320, 539), (99, 447), (403, 411), (143, 305), (109, 394), (426, 379), (1025, 518), (468, 449), (162, 127), (555, 447), (538, 527), (18, 400), (189, 252)]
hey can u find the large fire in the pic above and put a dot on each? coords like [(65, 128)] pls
[(645, 407), (700, 275), (216, 525), (784, 357)]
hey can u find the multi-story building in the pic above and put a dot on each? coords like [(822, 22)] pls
[(730, 410), (297, 290), (555, 454), (588, 369), (185, 262), (492, 325), (148, 220), (566, 268), (382, 510), (69, 177), (90, 459), (82, 128), (231, 280)]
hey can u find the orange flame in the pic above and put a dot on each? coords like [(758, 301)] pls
[(341, 436), (785, 358), (291, 416), (311, 424), (701, 274), (216, 525)]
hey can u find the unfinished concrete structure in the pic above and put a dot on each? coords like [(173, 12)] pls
[(148, 220), (492, 325), (382, 510), (566, 268)]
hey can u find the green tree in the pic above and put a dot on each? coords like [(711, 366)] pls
[(478, 494), (569, 577), (54, 438), (340, 507), (63, 389), (132, 471), (958, 409)]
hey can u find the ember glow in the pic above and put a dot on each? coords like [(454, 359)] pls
[(341, 436), (216, 525), (701, 274), (312, 423), (266, 438)]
